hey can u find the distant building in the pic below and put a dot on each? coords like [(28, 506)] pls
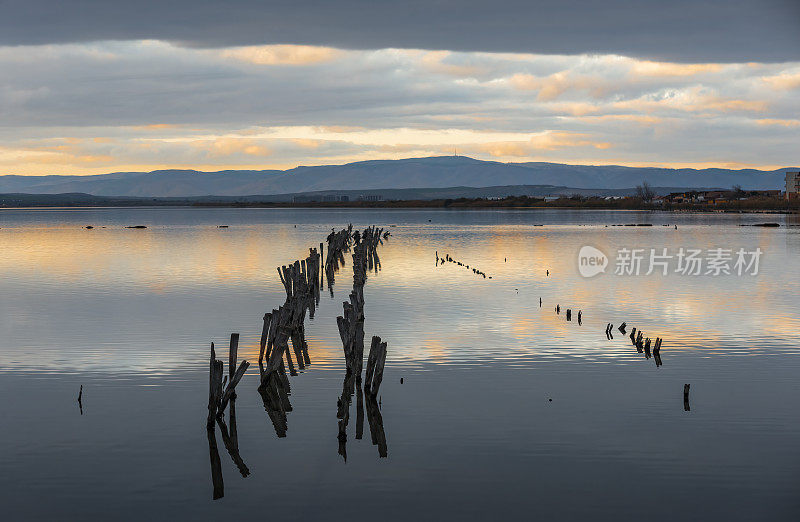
[(335, 198), (793, 184), (370, 197)]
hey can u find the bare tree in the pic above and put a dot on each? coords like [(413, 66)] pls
[(645, 192), (738, 192)]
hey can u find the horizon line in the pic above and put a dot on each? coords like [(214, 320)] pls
[(285, 168)]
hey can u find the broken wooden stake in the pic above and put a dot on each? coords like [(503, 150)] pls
[(686, 397), (375, 365)]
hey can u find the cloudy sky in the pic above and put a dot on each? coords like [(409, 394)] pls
[(95, 86)]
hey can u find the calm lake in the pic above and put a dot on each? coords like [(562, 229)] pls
[(506, 409)]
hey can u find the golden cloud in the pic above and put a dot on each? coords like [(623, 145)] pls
[(306, 143), (154, 126), (282, 54), (779, 122), (232, 146), (434, 61), (695, 100), (551, 87), (662, 69), (546, 141), (786, 81)]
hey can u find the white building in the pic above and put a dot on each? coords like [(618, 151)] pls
[(793, 184)]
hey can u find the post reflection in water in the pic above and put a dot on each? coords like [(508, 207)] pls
[(350, 387), (230, 440), (216, 464), (276, 404)]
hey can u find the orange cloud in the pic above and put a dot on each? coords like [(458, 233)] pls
[(282, 54), (231, 146), (551, 87), (546, 141), (154, 126), (779, 122), (307, 143), (434, 61), (696, 100), (632, 118), (785, 81), (661, 69)]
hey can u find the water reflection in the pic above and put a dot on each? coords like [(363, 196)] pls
[(129, 327), (231, 439), (216, 464)]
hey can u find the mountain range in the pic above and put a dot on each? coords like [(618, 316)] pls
[(432, 172)]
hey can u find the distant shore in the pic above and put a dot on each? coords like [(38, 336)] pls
[(766, 204)]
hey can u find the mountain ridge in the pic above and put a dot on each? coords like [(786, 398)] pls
[(426, 172)]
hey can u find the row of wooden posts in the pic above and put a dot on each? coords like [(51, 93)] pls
[(302, 281), (448, 259), (351, 331), (637, 339)]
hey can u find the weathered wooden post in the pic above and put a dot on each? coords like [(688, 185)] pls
[(375, 365), (686, 397), (232, 353), (215, 387)]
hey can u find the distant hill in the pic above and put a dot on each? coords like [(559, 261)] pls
[(414, 173)]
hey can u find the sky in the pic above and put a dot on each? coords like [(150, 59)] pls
[(90, 86)]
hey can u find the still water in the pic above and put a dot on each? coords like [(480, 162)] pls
[(506, 410)]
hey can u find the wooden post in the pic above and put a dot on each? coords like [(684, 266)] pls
[(212, 388), (375, 365), (264, 337), (686, 397), (232, 353), (229, 390)]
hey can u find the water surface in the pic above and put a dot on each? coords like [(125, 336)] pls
[(506, 409)]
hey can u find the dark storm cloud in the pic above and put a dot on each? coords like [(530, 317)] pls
[(677, 30)]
